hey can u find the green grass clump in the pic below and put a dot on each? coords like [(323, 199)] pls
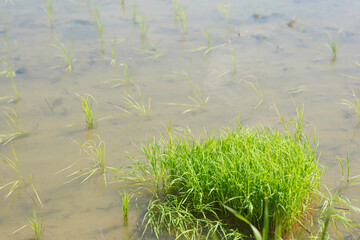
[(192, 179)]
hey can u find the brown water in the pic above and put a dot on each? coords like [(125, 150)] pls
[(281, 58)]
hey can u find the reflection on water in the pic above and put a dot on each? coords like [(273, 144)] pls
[(268, 52)]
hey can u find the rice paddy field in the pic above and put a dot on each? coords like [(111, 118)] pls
[(116, 73)]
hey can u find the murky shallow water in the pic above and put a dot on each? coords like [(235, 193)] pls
[(281, 58)]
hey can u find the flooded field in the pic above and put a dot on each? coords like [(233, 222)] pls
[(199, 64)]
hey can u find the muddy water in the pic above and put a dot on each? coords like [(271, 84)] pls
[(282, 59)]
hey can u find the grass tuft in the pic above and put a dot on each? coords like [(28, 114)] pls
[(244, 169)]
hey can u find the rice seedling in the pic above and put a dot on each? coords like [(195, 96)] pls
[(225, 10), (139, 106), (9, 74), (15, 125), (20, 183), (66, 54), (353, 105), (245, 169), (125, 200), (183, 21), (257, 89), (199, 103), (124, 77), (112, 49), (95, 152), (86, 106), (37, 226), (98, 22), (49, 11), (176, 9), (153, 51), (208, 40), (143, 26), (4, 17), (209, 47), (333, 45)]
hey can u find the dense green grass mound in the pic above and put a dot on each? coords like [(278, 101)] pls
[(242, 169)]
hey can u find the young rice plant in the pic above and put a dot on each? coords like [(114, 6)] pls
[(10, 74), (15, 125), (95, 152), (37, 226), (20, 183), (86, 106)]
